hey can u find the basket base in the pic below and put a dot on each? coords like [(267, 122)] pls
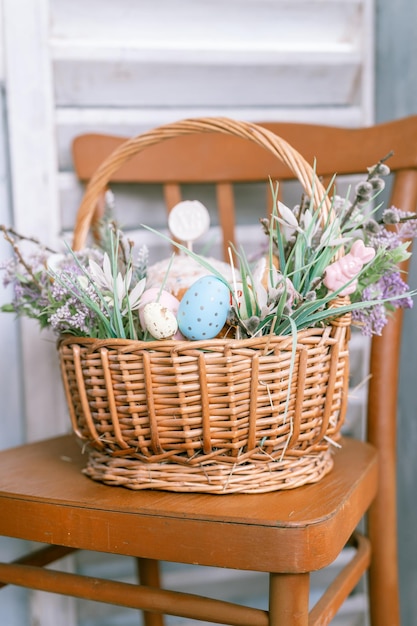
[(216, 478)]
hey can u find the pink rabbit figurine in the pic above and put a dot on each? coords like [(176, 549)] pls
[(345, 269)]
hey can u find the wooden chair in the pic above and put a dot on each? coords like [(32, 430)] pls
[(45, 498)]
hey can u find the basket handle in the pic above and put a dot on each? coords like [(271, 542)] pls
[(247, 130)]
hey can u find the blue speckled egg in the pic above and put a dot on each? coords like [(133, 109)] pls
[(203, 308)]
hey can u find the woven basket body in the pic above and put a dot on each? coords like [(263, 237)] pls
[(217, 416)]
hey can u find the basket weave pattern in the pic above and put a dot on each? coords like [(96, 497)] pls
[(217, 416)]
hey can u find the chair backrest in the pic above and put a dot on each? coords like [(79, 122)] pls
[(221, 159), (224, 160)]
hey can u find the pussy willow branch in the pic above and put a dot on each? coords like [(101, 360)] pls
[(407, 218), (7, 232), (13, 232), (380, 162), (371, 174)]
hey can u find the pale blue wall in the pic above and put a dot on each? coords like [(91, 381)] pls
[(11, 430), (13, 608), (396, 96)]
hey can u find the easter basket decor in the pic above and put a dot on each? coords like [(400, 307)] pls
[(221, 415)]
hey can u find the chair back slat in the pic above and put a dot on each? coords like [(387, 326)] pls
[(172, 195), (226, 211)]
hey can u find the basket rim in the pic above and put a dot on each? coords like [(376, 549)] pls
[(178, 344)]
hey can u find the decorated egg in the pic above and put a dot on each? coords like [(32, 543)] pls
[(203, 309), (155, 294), (159, 321), (239, 300)]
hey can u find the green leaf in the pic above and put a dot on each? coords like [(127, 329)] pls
[(8, 308), (274, 220)]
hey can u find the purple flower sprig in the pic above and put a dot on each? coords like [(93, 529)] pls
[(27, 276), (389, 289), (94, 292), (382, 283)]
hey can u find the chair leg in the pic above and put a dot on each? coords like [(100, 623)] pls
[(288, 599), (149, 575)]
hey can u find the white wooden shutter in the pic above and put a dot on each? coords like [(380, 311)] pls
[(97, 65)]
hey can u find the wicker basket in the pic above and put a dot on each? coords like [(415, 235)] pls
[(214, 416)]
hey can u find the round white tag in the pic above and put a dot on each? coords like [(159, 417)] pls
[(188, 220)]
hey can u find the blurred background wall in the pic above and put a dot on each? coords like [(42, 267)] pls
[(396, 96)]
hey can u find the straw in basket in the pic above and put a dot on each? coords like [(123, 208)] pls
[(215, 416)]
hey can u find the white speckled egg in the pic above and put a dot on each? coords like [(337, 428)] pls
[(155, 294), (203, 309), (159, 321)]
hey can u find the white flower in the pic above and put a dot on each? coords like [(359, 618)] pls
[(116, 287), (135, 295), (311, 225), (331, 236), (84, 282), (307, 219), (54, 262), (103, 277), (288, 217)]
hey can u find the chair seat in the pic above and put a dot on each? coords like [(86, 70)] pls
[(44, 497)]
